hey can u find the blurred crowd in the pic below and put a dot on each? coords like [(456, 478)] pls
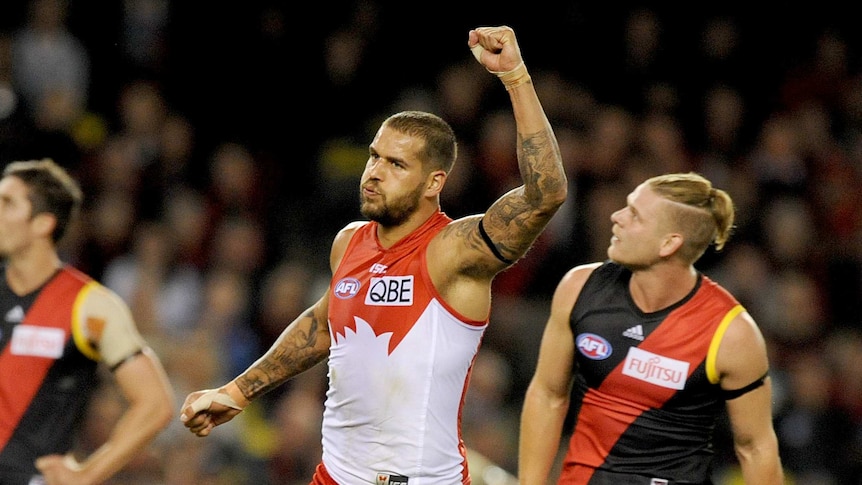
[(213, 192)]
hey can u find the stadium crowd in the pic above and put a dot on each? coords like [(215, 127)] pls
[(219, 151)]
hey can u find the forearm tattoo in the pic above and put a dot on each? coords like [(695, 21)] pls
[(295, 352), (540, 162)]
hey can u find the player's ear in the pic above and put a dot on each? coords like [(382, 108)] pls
[(44, 223), (670, 244), (436, 181)]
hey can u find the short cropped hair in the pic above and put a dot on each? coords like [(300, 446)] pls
[(51, 191), (441, 147)]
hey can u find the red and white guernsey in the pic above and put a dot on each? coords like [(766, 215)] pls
[(399, 364)]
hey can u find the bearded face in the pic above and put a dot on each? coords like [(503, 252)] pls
[(390, 209)]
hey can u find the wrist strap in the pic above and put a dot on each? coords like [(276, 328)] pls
[(515, 77), (511, 79)]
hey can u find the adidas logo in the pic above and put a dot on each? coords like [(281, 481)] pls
[(636, 332), (16, 314)]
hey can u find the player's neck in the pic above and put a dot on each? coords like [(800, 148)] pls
[(388, 236), (27, 271), (661, 286)]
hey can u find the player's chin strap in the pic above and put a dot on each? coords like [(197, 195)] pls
[(728, 395)]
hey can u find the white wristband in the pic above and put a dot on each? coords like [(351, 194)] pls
[(205, 401)]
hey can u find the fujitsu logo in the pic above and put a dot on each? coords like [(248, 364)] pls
[(655, 369), (38, 341)]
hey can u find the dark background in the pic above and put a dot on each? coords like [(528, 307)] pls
[(236, 78)]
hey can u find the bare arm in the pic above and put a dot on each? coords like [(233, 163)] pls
[(143, 383), (547, 399), (301, 346), (464, 261), (515, 220), (742, 360), (145, 387)]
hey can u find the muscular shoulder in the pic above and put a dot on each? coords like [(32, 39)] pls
[(350, 228), (106, 325), (341, 240), (571, 284), (578, 275), (102, 300), (742, 354)]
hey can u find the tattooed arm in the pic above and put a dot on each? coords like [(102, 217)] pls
[(301, 346), (465, 257), (515, 220)]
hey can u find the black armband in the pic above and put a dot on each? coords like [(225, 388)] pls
[(728, 395), (490, 243), (130, 357)]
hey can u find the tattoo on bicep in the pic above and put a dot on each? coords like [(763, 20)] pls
[(469, 233), (293, 354), (471, 236)]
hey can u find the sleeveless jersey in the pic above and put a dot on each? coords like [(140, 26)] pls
[(646, 396), (53, 378), (399, 364)]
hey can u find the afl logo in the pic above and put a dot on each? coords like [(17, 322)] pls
[(347, 288), (593, 346)]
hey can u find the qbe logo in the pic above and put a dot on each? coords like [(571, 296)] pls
[(390, 291), (593, 346), (347, 288)]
